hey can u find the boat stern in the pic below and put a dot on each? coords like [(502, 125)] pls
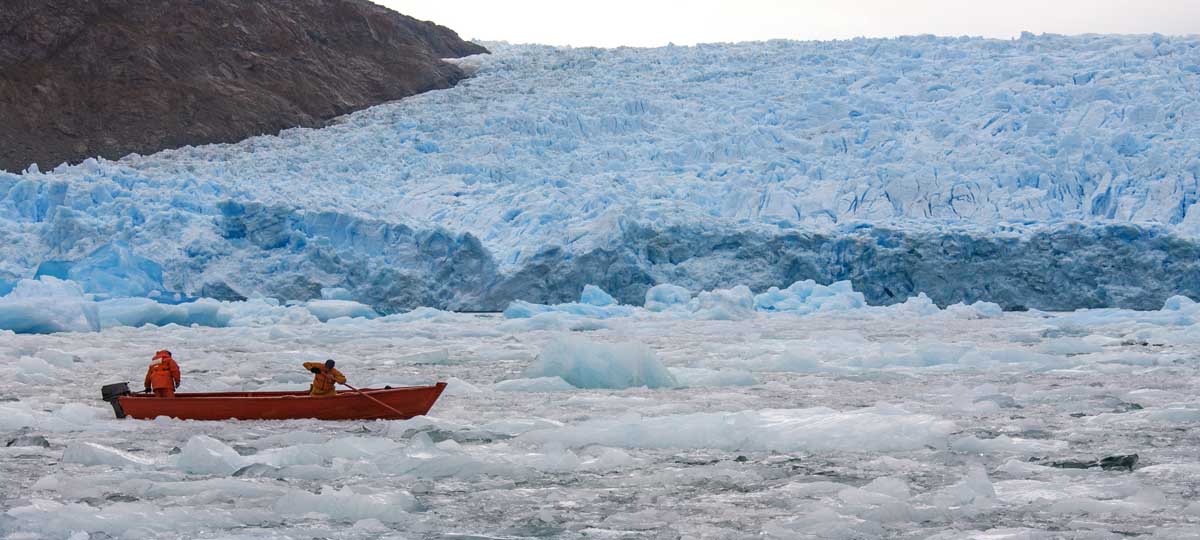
[(112, 394)]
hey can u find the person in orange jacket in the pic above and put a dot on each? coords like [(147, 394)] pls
[(163, 375), (325, 378)]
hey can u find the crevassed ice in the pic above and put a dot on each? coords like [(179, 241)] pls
[(567, 147)]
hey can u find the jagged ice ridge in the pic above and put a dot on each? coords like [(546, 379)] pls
[(1048, 172)]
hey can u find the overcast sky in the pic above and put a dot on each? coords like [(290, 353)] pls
[(610, 23)]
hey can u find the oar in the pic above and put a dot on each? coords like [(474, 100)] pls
[(364, 394)]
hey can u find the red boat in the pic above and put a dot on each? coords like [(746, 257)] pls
[(387, 404)]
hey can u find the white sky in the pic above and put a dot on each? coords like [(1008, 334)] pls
[(609, 23)]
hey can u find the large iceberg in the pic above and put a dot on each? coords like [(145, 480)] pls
[(48, 305), (808, 296), (1046, 172), (589, 364)]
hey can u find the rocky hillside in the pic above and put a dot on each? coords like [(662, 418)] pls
[(82, 78)]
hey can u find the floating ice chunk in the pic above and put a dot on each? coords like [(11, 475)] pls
[(986, 358), (645, 520), (824, 522), (920, 355), (143, 311), (724, 304), (437, 356), (65, 308), (325, 310), (371, 525), (523, 310), (16, 416), (80, 414), (974, 488), (89, 453), (1169, 415), (266, 312), (536, 384), (552, 321), (857, 497), (807, 296), (230, 487), (1144, 501), (978, 310), (554, 458), (698, 377), (820, 429), (48, 305), (891, 486), (1179, 303), (133, 520), (1007, 445), (798, 359), (57, 358), (595, 296), (609, 459), (426, 460), (987, 310), (1154, 396), (426, 314), (1069, 346), (336, 293), (517, 426), (589, 364), (205, 455), (31, 365), (520, 309), (458, 387), (347, 448), (665, 297), (919, 305), (344, 505), (805, 490), (1019, 468)]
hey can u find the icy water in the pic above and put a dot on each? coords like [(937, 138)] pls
[(879, 424)]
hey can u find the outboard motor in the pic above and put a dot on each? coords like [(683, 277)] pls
[(110, 393)]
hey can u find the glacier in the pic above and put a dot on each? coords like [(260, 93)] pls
[(1045, 172)]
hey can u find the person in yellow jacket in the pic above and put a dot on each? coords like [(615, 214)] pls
[(325, 378)]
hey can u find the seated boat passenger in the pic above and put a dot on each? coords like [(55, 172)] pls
[(325, 378)]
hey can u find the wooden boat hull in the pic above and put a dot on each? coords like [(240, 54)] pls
[(346, 405)]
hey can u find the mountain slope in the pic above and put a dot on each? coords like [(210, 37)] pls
[(106, 78)]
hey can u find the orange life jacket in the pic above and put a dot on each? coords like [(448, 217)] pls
[(163, 372)]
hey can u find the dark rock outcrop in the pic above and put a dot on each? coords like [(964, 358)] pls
[(82, 78), (29, 440), (1123, 462)]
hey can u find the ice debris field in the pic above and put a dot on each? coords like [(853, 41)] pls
[(596, 420), (1022, 172)]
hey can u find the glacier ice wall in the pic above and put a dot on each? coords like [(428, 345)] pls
[(1049, 172)]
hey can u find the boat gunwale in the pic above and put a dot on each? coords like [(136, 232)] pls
[(285, 394)]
